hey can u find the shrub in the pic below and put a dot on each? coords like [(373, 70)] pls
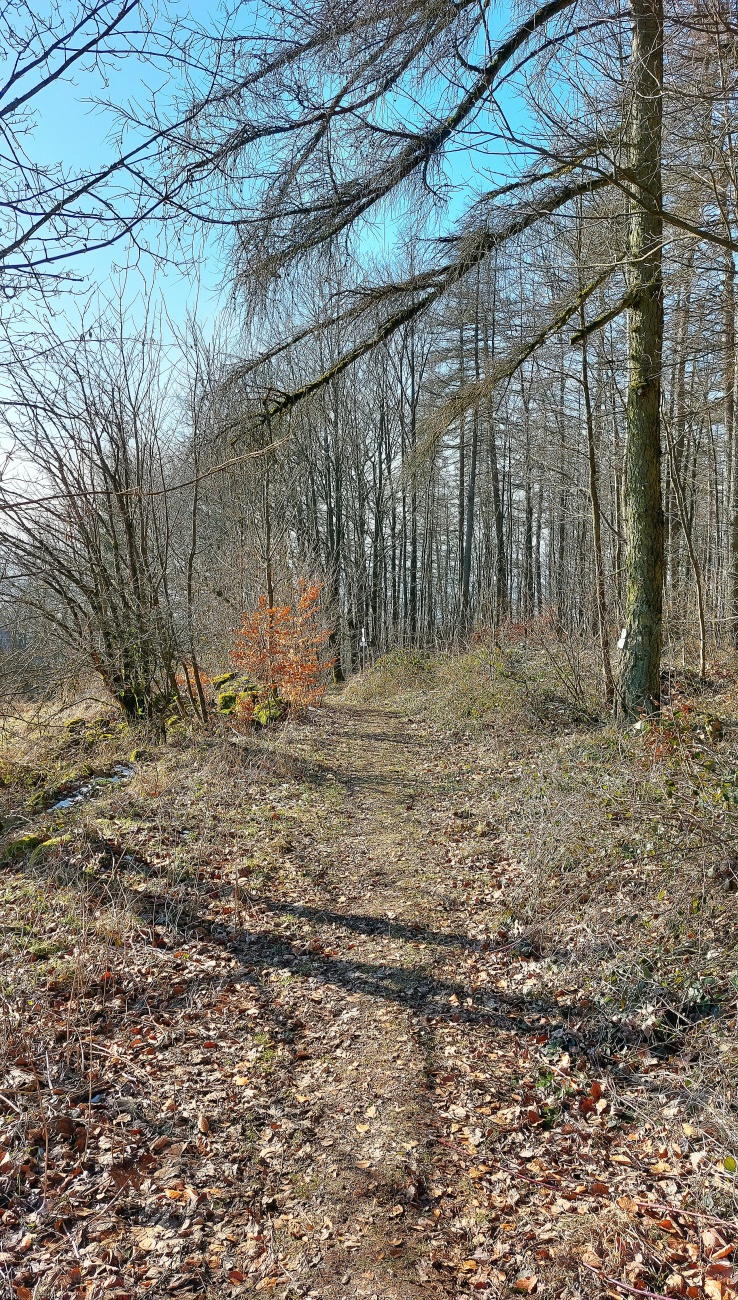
[(279, 647)]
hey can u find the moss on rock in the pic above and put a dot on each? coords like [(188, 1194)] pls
[(219, 682), (19, 847), (270, 710), (226, 702), (48, 848)]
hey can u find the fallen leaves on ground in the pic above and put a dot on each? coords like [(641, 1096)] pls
[(316, 1056)]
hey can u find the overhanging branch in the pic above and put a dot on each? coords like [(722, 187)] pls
[(475, 250)]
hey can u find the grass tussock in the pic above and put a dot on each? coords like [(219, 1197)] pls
[(526, 684)]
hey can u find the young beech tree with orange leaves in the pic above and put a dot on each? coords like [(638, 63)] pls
[(279, 647)]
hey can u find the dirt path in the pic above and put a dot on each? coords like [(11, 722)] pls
[(375, 1128), (391, 1021)]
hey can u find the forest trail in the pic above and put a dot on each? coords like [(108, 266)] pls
[(413, 1071), (376, 1130), (308, 1049)]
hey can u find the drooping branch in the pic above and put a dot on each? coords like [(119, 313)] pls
[(472, 394), (477, 247)]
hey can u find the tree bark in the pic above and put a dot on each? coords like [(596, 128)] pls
[(599, 559), (638, 686), (730, 377)]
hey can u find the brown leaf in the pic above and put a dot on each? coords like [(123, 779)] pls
[(712, 1241), (590, 1258), (526, 1285), (713, 1288), (628, 1204), (675, 1284), (721, 1268)]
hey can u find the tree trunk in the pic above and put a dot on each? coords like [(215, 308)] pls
[(696, 569), (730, 379), (462, 459), (471, 488), (594, 497), (638, 686), (498, 501)]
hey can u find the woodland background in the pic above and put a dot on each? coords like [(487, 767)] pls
[(475, 365)]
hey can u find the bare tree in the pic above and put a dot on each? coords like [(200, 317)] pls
[(51, 212), (87, 521), (312, 126)]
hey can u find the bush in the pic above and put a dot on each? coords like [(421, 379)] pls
[(279, 647)]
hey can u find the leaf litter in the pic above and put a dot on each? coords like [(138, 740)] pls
[(276, 1023)]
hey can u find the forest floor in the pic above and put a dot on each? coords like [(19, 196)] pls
[(370, 1007)]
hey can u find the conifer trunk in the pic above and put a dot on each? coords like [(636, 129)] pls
[(640, 644)]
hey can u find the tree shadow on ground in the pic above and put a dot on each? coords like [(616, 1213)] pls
[(432, 998), (362, 923)]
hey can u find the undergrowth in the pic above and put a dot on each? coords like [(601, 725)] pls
[(617, 868), (526, 684)]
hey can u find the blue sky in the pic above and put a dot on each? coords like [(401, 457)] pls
[(70, 129)]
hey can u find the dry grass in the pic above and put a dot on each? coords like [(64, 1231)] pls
[(620, 867)]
